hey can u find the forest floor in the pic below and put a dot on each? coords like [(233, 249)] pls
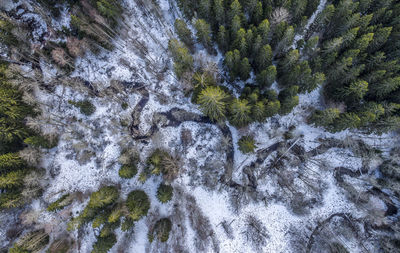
[(292, 183)]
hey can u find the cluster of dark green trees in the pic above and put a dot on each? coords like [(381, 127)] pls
[(106, 211), (14, 137), (352, 47), (255, 37), (358, 48)]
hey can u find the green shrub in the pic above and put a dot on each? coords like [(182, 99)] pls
[(164, 193), (246, 144), (127, 171), (213, 102), (104, 244), (103, 197), (138, 204), (59, 203), (85, 106), (161, 230)]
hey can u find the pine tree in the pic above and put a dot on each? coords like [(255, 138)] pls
[(128, 171), (235, 26), (257, 13), (272, 108), (161, 230), (240, 112), (184, 33), (380, 37), (267, 77), (384, 87), (12, 179), (204, 9), (235, 9), (138, 205), (264, 58), (326, 117), (213, 102), (103, 197), (247, 144), (355, 91), (245, 69), (203, 33), (223, 39), (104, 244), (288, 99), (164, 193), (10, 161), (345, 121), (258, 111), (263, 30), (219, 12)]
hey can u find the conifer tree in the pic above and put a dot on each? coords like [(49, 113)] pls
[(219, 12), (245, 69), (164, 193), (223, 38), (247, 144), (263, 30), (184, 33), (264, 58), (345, 121), (161, 230), (240, 112), (326, 117), (203, 33), (103, 197), (235, 9), (267, 77), (213, 102), (258, 111), (138, 204), (272, 108), (204, 8)]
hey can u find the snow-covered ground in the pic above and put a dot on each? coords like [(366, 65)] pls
[(89, 146)]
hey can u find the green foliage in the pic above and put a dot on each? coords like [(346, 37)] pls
[(266, 77), (203, 33), (60, 203), (247, 144), (138, 205), (40, 141), (103, 197), (164, 193), (85, 106), (6, 35), (127, 224), (183, 61), (127, 171), (213, 102), (239, 112), (184, 33), (325, 117), (104, 244), (161, 230)]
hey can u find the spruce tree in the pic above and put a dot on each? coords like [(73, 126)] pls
[(164, 193), (184, 33), (240, 112), (213, 102), (245, 69), (203, 33), (326, 117), (138, 204), (266, 77), (247, 144)]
